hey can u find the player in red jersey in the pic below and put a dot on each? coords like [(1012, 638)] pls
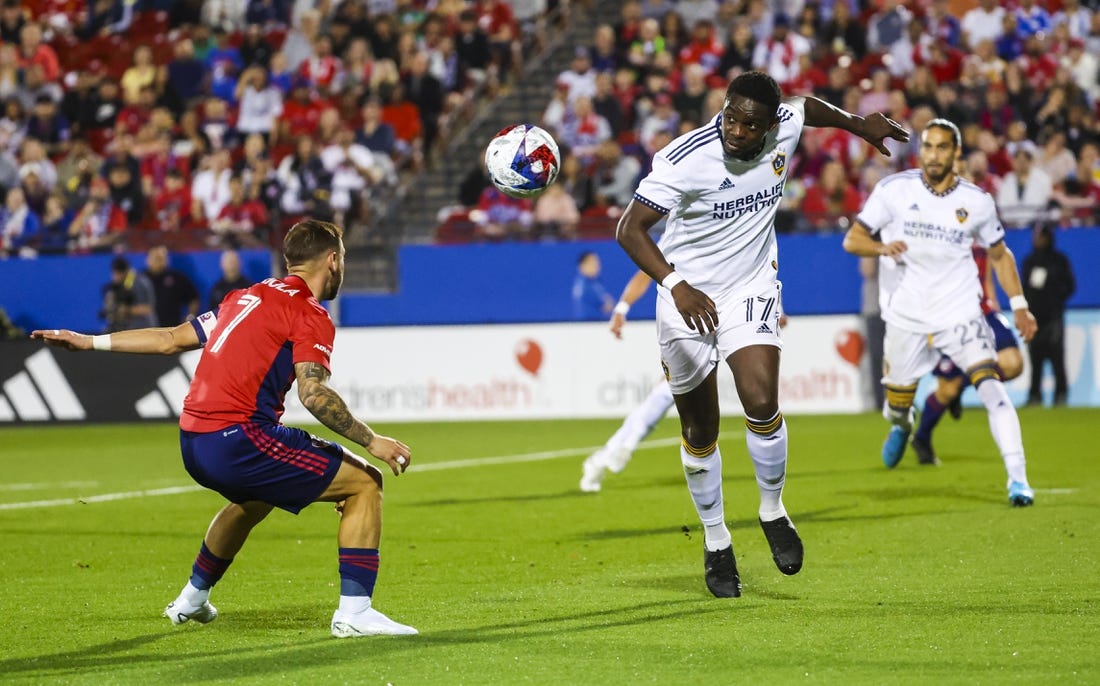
[(951, 381), (257, 342)]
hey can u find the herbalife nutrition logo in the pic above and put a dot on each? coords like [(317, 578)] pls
[(38, 393)]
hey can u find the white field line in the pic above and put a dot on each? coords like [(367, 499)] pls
[(430, 467), (47, 485)]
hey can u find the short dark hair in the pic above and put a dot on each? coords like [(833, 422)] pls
[(309, 239), (756, 86), (120, 265), (949, 126)]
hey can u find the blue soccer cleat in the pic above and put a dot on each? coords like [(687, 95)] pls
[(894, 446), (1020, 494)]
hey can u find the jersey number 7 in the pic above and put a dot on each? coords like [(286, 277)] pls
[(250, 302)]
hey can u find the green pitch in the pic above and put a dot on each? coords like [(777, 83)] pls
[(916, 575)]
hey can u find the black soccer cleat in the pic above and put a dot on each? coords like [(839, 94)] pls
[(721, 572), (955, 407), (785, 544), (925, 455)]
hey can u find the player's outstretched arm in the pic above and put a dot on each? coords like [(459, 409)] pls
[(632, 233), (324, 403), (1004, 266), (150, 341), (635, 288), (859, 241), (874, 128)]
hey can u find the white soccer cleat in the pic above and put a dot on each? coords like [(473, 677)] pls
[(593, 471), (370, 622), (618, 459), (180, 611)]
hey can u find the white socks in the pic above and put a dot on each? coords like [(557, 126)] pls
[(769, 459), (354, 604), (193, 596), (640, 422), (1004, 424), (704, 480)]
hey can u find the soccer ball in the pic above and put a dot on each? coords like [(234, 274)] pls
[(522, 160)]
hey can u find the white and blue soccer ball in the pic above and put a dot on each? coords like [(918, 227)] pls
[(522, 160)]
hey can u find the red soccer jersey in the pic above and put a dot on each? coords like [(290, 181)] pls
[(251, 344)]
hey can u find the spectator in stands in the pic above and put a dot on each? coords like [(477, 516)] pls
[(99, 224), (375, 134), (472, 47), (705, 48), (780, 54), (106, 17), (35, 86), (1078, 195), (556, 214), (739, 50), (575, 180), (426, 92), (615, 176), (496, 19), (49, 127), (134, 116), (354, 170), (108, 104), (604, 56), (33, 157), (187, 75), (647, 45), (888, 26), (128, 299), (843, 32), (629, 25), (301, 111), (307, 185), (217, 125), (996, 113), (172, 202), (78, 105), (662, 117), (1026, 191), (1053, 157), (255, 50), (580, 79), (585, 130), (12, 21), (33, 51), (1032, 18), (210, 188), (984, 22), (9, 170), (126, 194), (175, 297), (500, 217), (19, 226), (243, 222), (591, 301), (54, 236), (260, 103), (976, 170), (830, 203), (231, 278), (158, 160), (140, 74), (1010, 42), (223, 64)]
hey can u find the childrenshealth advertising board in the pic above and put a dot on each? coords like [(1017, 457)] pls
[(562, 370)]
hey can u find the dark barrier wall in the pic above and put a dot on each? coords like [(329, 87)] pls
[(488, 283), (531, 283), (51, 292)]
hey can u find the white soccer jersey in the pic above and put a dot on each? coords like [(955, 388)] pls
[(933, 285), (720, 234)]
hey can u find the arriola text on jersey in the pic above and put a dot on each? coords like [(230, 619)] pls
[(753, 202)]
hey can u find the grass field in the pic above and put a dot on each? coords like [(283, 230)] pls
[(916, 575)]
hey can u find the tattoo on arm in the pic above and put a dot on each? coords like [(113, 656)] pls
[(326, 405)]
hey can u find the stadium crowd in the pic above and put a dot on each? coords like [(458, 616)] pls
[(1019, 78), (203, 123)]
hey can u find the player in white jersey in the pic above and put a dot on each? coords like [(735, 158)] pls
[(927, 220), (720, 186), (614, 455)]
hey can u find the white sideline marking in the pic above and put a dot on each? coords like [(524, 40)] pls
[(1056, 491), (45, 485), (175, 490)]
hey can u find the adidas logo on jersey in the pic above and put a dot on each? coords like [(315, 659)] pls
[(763, 329), (726, 183)]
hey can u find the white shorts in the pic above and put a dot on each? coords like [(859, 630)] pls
[(907, 355), (744, 319)]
